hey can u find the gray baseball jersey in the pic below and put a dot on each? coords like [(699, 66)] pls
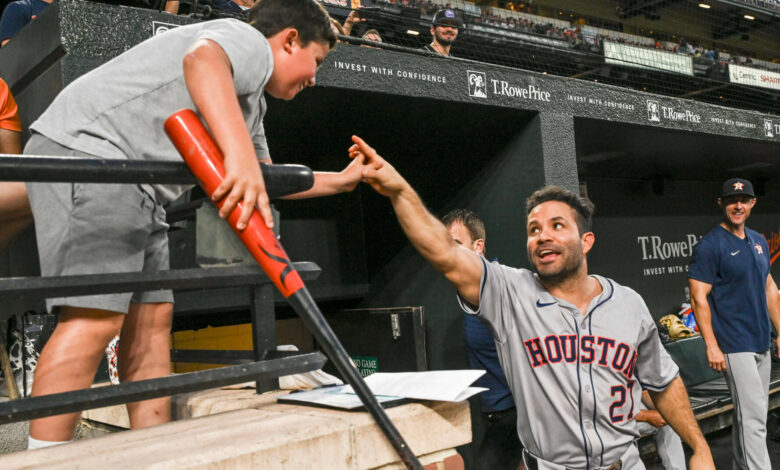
[(577, 380)]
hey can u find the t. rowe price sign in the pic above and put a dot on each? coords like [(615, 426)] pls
[(754, 77)]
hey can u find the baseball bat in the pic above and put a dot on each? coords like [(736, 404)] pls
[(205, 160)]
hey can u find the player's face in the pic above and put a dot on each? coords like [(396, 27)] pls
[(555, 246), (463, 238), (736, 209), (295, 67), (445, 35)]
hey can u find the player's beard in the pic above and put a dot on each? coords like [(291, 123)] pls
[(570, 266)]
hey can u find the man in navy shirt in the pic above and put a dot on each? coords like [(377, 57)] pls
[(734, 298), (500, 447), (17, 14)]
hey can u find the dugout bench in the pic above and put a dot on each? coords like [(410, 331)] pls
[(709, 395)]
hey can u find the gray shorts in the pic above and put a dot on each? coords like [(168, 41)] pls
[(96, 229)]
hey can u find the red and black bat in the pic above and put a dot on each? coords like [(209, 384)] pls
[(205, 160)]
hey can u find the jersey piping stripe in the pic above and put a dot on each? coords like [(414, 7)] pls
[(738, 410), (579, 399), (592, 385)]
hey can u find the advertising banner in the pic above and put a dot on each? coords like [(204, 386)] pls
[(754, 77), (645, 58), (651, 254)]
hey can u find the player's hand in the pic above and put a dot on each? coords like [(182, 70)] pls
[(376, 171), (716, 358), (243, 183), (701, 461), (352, 174)]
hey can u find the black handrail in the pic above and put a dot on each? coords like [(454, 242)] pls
[(280, 180)]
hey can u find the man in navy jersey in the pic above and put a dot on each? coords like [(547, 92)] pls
[(734, 298), (500, 447), (17, 14)]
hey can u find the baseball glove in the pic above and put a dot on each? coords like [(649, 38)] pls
[(676, 327)]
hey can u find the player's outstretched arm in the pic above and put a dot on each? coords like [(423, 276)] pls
[(208, 74), (674, 406), (429, 236), (701, 310), (773, 302)]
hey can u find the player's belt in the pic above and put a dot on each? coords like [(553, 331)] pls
[(535, 463)]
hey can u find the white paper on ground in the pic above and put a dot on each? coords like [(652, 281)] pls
[(442, 385)]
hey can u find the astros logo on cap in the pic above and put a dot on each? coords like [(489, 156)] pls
[(738, 186)]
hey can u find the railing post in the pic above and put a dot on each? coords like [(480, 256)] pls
[(261, 310)]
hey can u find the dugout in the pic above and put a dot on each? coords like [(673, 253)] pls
[(465, 134)]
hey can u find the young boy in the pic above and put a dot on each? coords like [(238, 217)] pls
[(220, 68)]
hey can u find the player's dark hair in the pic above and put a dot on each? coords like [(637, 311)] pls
[(307, 16), (583, 208), (469, 219)]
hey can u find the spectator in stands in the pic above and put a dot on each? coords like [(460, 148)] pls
[(735, 301), (372, 35), (667, 443), (221, 68), (444, 31), (15, 212), (17, 14), (235, 7), (500, 447)]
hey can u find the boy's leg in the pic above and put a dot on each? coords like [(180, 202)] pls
[(15, 213), (69, 361), (144, 353)]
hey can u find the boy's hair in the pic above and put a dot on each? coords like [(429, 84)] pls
[(469, 219), (307, 16), (583, 208)]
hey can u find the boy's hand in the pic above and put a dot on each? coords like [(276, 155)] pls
[(376, 171), (208, 75), (243, 183)]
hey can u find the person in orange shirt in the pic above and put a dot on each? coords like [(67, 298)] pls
[(15, 212)]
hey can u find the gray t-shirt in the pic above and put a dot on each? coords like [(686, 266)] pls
[(117, 111), (574, 377)]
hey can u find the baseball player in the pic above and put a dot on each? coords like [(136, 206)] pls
[(577, 349), (734, 297)]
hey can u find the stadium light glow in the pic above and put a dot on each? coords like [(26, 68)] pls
[(705, 6), (751, 18), (412, 32)]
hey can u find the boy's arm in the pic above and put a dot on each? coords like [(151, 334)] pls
[(208, 74), (429, 236), (675, 407), (701, 310), (327, 183)]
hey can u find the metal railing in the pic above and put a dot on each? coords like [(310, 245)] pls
[(263, 364)]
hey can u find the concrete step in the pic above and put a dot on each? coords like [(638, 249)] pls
[(238, 429)]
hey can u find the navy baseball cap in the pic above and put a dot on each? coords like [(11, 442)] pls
[(447, 18), (737, 186)]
